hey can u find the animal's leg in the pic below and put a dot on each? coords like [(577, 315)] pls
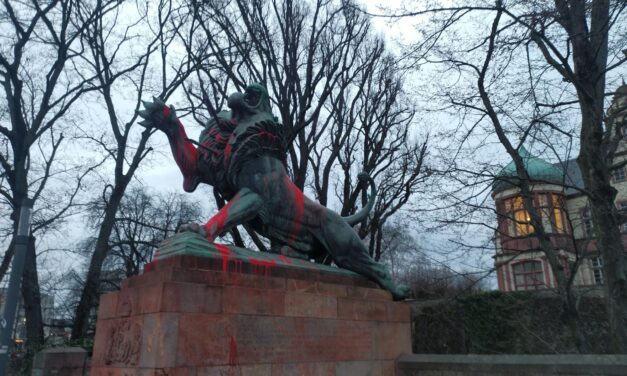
[(360, 262), (348, 252), (286, 250), (243, 207)]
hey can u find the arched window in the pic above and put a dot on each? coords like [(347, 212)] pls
[(528, 275)]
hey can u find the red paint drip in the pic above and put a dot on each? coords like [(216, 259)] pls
[(299, 208), (184, 152), (267, 135), (239, 266), (166, 112), (262, 267), (225, 251), (232, 352), (151, 266), (215, 226)]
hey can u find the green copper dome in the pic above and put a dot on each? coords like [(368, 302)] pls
[(538, 169)]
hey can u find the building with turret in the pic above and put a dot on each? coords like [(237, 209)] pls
[(557, 196)]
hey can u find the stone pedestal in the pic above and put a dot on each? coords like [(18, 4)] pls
[(60, 361), (236, 312)]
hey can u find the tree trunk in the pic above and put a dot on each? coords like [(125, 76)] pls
[(90, 292), (594, 163), (6, 259), (609, 242), (32, 300), (589, 54)]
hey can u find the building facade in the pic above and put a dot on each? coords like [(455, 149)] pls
[(557, 196)]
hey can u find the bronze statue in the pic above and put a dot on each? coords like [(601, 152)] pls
[(242, 154)]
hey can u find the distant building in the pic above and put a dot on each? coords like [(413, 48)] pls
[(19, 326), (556, 188)]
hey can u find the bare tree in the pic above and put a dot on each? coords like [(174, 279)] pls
[(377, 138), (535, 64), (412, 265), (321, 64), (107, 41), (299, 51), (144, 219), (40, 82)]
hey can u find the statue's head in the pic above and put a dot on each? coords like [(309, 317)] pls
[(255, 100)]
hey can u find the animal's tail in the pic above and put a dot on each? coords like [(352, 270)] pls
[(363, 213)]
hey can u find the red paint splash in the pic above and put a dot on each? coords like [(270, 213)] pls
[(232, 352), (267, 135), (239, 266), (262, 267), (185, 155), (228, 149), (166, 112), (299, 208), (151, 266), (215, 226), (188, 149), (285, 259), (225, 252)]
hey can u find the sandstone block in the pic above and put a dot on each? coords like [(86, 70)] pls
[(310, 305), (356, 309), (204, 340), (253, 301), (108, 305)]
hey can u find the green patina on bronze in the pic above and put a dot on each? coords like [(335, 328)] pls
[(193, 244), (242, 154)]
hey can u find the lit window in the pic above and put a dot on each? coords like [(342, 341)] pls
[(528, 275), (618, 174), (558, 215), (586, 221), (522, 218), (597, 270)]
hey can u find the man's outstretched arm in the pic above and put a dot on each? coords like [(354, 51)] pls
[(163, 117)]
